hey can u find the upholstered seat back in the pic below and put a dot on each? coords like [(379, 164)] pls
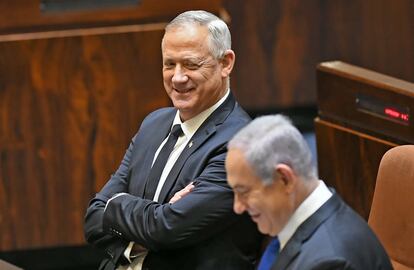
[(392, 211)]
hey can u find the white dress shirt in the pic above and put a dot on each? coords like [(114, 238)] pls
[(307, 208)]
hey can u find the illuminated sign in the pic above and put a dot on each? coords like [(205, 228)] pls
[(385, 110)]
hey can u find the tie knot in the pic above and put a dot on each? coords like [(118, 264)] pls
[(176, 130), (275, 244)]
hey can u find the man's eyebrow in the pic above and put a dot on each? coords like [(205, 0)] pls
[(194, 59), (185, 59), (237, 186)]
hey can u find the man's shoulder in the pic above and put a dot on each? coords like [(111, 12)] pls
[(237, 117), (236, 120), (341, 222), (240, 113), (347, 235), (161, 115), (161, 112)]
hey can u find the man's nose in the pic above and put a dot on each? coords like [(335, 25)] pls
[(179, 75), (238, 206)]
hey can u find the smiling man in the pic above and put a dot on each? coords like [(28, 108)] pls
[(145, 217), (269, 166)]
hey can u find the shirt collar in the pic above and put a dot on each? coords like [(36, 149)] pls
[(307, 208), (190, 126)]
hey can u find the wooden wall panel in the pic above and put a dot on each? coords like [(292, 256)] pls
[(278, 44), (26, 15), (374, 34), (68, 108), (349, 161)]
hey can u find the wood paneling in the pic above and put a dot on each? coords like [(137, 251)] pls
[(374, 34), (26, 16), (348, 161), (68, 109), (278, 44)]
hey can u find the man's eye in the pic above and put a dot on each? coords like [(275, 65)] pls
[(169, 65), (192, 65), (242, 192)]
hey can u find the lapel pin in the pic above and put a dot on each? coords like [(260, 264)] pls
[(190, 144)]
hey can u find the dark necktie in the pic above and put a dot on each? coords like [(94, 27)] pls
[(269, 255), (159, 164)]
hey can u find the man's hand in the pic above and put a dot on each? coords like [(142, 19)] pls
[(179, 194)]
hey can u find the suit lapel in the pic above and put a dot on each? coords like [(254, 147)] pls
[(305, 231), (205, 131)]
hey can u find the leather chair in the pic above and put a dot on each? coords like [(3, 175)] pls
[(392, 210)]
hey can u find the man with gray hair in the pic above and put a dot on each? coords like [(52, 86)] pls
[(145, 217), (269, 166)]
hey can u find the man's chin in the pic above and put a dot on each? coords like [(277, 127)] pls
[(186, 112), (183, 108), (263, 229)]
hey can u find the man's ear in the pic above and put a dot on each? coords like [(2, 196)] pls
[(285, 174), (227, 62)]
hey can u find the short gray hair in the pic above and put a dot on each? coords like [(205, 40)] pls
[(270, 140), (219, 33)]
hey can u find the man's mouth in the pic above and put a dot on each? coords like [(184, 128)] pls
[(183, 91), (254, 217)]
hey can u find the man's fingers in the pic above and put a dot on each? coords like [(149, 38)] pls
[(179, 194)]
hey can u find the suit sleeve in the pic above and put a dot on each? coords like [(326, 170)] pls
[(113, 245), (197, 216)]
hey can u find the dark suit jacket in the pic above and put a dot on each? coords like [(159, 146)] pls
[(200, 231), (334, 237)]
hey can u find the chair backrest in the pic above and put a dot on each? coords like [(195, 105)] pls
[(392, 210)]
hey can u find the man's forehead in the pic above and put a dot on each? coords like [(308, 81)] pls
[(187, 57)]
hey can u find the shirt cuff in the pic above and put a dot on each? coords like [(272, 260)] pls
[(127, 252)]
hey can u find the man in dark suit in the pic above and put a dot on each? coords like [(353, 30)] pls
[(135, 218), (269, 166)]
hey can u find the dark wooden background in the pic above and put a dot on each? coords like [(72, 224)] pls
[(75, 85), (278, 44)]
